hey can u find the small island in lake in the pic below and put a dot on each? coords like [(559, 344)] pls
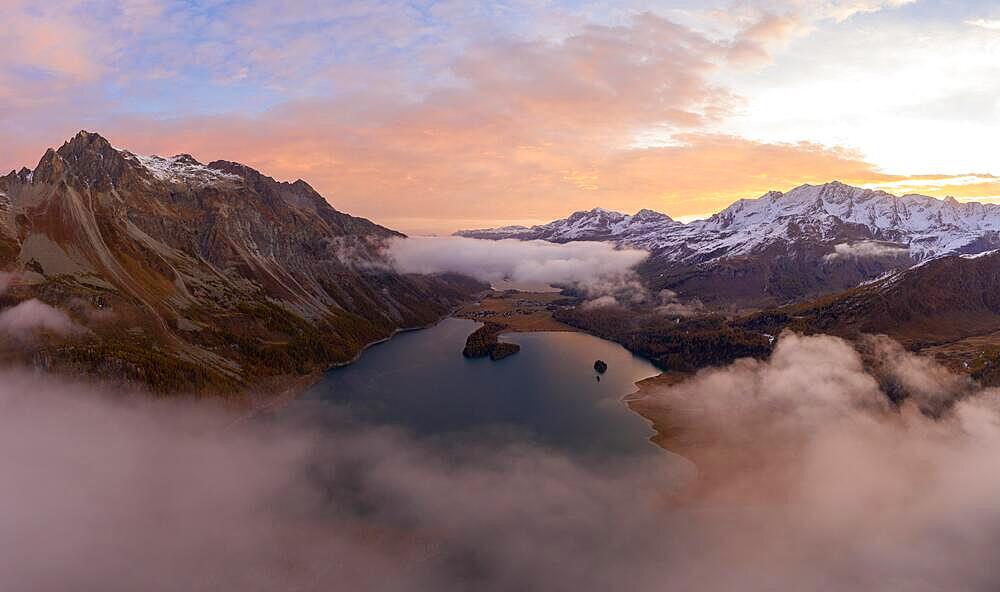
[(502, 349), (484, 342), (601, 366), (511, 311)]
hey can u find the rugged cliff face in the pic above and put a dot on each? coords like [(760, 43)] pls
[(206, 278)]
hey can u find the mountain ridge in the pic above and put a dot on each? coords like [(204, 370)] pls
[(217, 271), (783, 246)]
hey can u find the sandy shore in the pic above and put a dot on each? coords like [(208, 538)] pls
[(641, 403)]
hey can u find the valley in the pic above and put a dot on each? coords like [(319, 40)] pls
[(527, 296), (218, 280)]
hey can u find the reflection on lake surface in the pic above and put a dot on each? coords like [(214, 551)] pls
[(546, 394)]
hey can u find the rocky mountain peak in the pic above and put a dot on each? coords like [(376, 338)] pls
[(84, 140), (91, 150), (236, 168), (186, 159), (86, 159), (50, 167), (647, 215)]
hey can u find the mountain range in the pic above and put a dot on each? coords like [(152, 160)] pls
[(215, 278), (198, 277), (782, 247)]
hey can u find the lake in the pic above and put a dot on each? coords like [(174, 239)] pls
[(547, 394)]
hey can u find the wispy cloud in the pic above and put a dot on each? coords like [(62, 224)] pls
[(935, 182), (991, 24), (457, 111), (595, 267), (31, 317)]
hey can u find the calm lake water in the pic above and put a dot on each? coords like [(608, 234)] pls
[(546, 394)]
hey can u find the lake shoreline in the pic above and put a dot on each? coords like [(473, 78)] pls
[(293, 387), (640, 403), (264, 401), (422, 383)]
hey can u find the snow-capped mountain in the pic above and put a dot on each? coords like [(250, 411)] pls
[(784, 246), (597, 224)]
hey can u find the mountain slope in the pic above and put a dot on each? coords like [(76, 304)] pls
[(783, 247), (948, 308), (941, 300), (217, 271)]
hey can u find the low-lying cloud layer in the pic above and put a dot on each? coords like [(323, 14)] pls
[(865, 250), (810, 480), (670, 304), (130, 493), (32, 316), (853, 491), (595, 267)]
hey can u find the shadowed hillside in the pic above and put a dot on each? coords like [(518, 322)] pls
[(200, 278)]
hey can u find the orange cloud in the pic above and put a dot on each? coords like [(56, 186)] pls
[(752, 44), (432, 180), (520, 131)]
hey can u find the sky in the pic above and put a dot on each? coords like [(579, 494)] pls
[(430, 116)]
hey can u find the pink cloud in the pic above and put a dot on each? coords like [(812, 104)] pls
[(753, 44), (488, 128), (33, 316)]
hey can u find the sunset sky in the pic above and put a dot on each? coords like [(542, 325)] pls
[(433, 116)]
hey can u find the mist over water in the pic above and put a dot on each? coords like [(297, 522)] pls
[(809, 480), (548, 394), (596, 268)]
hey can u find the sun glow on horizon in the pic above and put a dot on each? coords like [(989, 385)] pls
[(460, 116)]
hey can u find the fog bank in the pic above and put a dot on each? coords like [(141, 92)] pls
[(811, 479), (865, 250), (24, 319), (595, 267)]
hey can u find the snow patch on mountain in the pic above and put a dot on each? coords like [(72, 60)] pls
[(978, 255), (179, 169)]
